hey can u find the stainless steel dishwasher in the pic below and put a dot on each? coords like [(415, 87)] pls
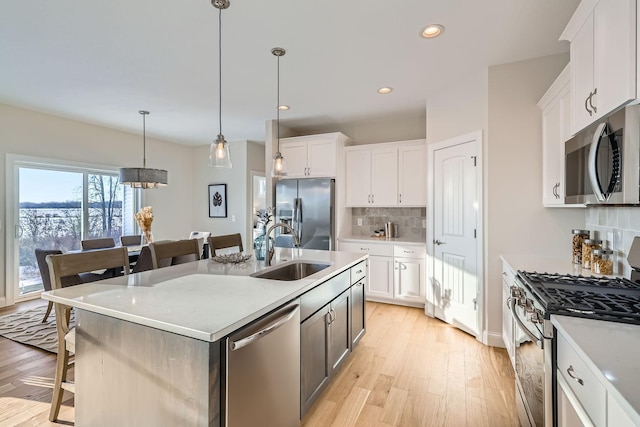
[(262, 375)]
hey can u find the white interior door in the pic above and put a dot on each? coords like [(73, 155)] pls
[(455, 269)]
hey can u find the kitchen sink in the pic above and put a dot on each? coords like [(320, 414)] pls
[(292, 271)]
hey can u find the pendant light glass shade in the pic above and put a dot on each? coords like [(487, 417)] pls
[(279, 168), (143, 177), (219, 156)]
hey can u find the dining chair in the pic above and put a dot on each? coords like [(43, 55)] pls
[(227, 241), (201, 237), (131, 240), (179, 251), (72, 265), (106, 242)]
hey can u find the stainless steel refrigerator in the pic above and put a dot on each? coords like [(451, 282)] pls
[(307, 205)]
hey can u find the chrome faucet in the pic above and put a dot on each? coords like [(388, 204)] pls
[(270, 251)]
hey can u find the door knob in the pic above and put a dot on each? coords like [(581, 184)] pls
[(437, 242)]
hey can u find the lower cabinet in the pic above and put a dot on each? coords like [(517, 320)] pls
[(328, 335), (508, 327), (408, 279)]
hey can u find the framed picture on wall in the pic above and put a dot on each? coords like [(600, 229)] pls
[(218, 201)]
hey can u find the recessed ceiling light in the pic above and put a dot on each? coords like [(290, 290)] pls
[(384, 90), (283, 107), (432, 30)]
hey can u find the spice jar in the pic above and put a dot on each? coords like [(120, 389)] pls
[(576, 246), (602, 261), (588, 245)]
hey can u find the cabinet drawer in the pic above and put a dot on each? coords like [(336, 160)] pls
[(379, 249), (588, 390), (409, 251), (358, 271), (322, 294)]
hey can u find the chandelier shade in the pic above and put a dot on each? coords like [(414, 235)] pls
[(144, 177)]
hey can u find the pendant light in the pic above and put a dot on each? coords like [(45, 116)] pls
[(279, 167), (219, 156), (143, 177)]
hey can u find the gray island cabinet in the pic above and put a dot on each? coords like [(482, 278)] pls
[(150, 347)]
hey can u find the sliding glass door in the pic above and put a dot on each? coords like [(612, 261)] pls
[(59, 206)]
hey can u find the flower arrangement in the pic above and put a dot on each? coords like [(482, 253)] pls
[(264, 216), (144, 218)]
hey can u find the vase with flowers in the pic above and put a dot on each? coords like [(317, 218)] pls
[(144, 218), (259, 244)]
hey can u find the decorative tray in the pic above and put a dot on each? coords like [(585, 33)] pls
[(236, 258)]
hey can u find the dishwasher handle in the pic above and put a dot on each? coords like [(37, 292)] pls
[(237, 345)]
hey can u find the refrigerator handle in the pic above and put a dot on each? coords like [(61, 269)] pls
[(299, 219)]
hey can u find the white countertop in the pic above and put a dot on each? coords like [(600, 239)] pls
[(612, 351), (204, 300), (369, 239)]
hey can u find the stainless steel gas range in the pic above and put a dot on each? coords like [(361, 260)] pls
[(534, 298)]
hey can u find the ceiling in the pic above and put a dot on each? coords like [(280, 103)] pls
[(102, 61)]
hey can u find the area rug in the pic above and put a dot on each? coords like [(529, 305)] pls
[(26, 327)]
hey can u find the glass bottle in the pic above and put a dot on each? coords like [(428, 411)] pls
[(576, 246), (588, 245)]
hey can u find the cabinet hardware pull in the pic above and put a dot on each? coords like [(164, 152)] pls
[(570, 371), (586, 107), (593, 107), (400, 198), (359, 271), (504, 273), (327, 318)]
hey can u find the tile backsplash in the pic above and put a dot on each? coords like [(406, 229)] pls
[(410, 221), (616, 227)]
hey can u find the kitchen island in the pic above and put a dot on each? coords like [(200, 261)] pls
[(148, 346)]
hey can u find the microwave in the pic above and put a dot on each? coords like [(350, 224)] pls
[(602, 162)]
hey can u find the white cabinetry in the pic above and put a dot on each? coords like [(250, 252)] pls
[(556, 108), (396, 271), (390, 174), (583, 400), (311, 156), (603, 58), (508, 327)]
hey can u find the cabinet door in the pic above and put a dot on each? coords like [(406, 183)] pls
[(567, 414), (339, 332), (614, 54), (295, 157), (384, 177), (412, 175), (409, 279), (358, 177), (380, 277), (357, 311), (582, 75), (554, 132), (314, 357), (321, 158)]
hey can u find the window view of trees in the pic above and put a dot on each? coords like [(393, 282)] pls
[(60, 224)]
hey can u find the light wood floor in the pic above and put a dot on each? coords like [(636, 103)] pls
[(411, 370), (408, 370)]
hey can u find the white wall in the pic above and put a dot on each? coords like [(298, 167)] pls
[(245, 155), (517, 223)]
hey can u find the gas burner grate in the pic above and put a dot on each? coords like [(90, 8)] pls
[(576, 280), (619, 307)]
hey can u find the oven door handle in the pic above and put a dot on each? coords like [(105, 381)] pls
[(531, 336)]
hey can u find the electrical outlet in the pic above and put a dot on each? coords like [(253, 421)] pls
[(233, 218), (424, 223), (359, 222)]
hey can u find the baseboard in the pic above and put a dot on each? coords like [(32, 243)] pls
[(396, 302), (3, 301), (493, 339)]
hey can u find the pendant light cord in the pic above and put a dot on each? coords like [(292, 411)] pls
[(278, 106), (220, 67)]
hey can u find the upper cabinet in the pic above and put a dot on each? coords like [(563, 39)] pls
[(390, 174), (313, 156), (603, 59), (556, 111)]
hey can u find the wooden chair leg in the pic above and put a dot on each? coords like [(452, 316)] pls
[(61, 376), (46, 315)]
